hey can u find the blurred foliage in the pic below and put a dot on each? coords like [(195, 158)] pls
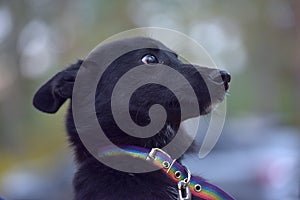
[(257, 41)]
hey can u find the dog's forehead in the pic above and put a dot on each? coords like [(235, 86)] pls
[(120, 47), (136, 43)]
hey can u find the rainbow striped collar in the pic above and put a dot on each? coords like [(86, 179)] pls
[(189, 186)]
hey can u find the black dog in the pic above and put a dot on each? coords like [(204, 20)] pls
[(94, 180)]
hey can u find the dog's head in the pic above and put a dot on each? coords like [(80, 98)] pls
[(209, 87)]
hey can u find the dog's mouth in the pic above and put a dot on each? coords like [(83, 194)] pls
[(210, 87)]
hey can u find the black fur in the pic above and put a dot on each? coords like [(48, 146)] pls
[(94, 180)]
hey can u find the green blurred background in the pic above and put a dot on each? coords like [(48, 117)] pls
[(258, 42)]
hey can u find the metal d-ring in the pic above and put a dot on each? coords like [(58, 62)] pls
[(189, 175)]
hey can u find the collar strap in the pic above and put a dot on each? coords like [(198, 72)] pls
[(196, 186)]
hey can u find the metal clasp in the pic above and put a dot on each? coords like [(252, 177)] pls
[(187, 193), (184, 185)]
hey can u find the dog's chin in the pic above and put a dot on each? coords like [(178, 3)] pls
[(213, 106)]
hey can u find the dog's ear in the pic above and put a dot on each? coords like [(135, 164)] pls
[(57, 90)]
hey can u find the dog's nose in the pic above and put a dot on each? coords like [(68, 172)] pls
[(221, 77), (225, 76)]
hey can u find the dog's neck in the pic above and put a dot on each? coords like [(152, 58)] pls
[(118, 137)]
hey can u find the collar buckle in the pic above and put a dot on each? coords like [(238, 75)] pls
[(153, 151), (166, 164)]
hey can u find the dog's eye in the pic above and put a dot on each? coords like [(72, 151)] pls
[(149, 59)]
